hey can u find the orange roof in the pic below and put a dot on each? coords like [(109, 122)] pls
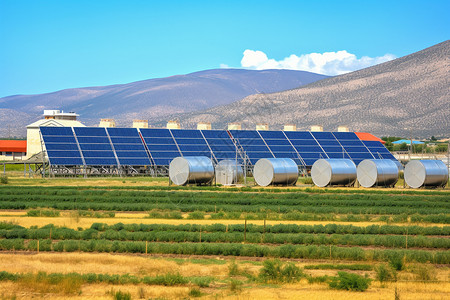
[(13, 146), (365, 136)]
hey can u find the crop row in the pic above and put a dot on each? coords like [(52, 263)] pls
[(149, 204), (390, 241), (63, 189), (278, 228), (228, 249), (293, 198)]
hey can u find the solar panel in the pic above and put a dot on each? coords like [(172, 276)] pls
[(306, 146), (378, 150), (61, 146), (221, 145), (95, 146), (191, 142), (129, 147), (280, 146), (354, 147), (161, 145), (252, 143)]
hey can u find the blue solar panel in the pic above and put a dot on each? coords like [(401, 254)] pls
[(95, 146), (59, 131), (252, 144), (186, 133), (191, 142), (345, 136), (320, 135), (72, 161), (161, 145), (298, 135), (61, 146), (129, 147), (378, 150), (220, 144), (100, 146)]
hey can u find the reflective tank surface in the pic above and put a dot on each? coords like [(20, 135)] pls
[(191, 169), (269, 171), (228, 172), (377, 172), (333, 172), (431, 173)]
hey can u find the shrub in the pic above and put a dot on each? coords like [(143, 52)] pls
[(233, 269), (318, 279), (235, 285), (278, 272), (350, 282), (167, 280), (3, 179), (119, 295), (397, 262), (195, 292), (202, 281), (197, 215), (383, 274), (425, 273)]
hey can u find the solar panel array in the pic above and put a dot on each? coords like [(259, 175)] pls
[(96, 146)]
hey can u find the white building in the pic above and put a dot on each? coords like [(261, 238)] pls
[(53, 118)]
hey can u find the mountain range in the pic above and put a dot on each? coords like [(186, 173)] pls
[(403, 97), (149, 99), (408, 96)]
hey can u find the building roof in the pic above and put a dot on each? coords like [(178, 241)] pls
[(13, 146), (55, 123), (365, 136), (408, 142)]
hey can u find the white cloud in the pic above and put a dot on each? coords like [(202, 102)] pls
[(224, 66), (328, 63)]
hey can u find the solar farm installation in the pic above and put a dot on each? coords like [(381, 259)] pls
[(274, 157)]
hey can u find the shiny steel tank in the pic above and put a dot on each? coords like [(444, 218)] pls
[(377, 172), (269, 171), (431, 173), (333, 171), (191, 169), (228, 172)]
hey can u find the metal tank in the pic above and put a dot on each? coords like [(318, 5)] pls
[(228, 172), (432, 173), (333, 172), (191, 169), (269, 171), (377, 172)]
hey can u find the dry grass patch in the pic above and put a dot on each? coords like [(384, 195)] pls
[(73, 221), (103, 263)]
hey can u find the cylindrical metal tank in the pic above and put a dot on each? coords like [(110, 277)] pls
[(333, 172), (377, 172), (191, 169), (269, 171), (228, 172), (431, 173)]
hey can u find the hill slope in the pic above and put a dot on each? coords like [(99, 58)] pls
[(152, 98), (409, 92)]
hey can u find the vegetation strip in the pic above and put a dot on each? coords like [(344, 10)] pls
[(220, 234), (228, 249)]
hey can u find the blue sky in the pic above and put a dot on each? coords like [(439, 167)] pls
[(51, 45)]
